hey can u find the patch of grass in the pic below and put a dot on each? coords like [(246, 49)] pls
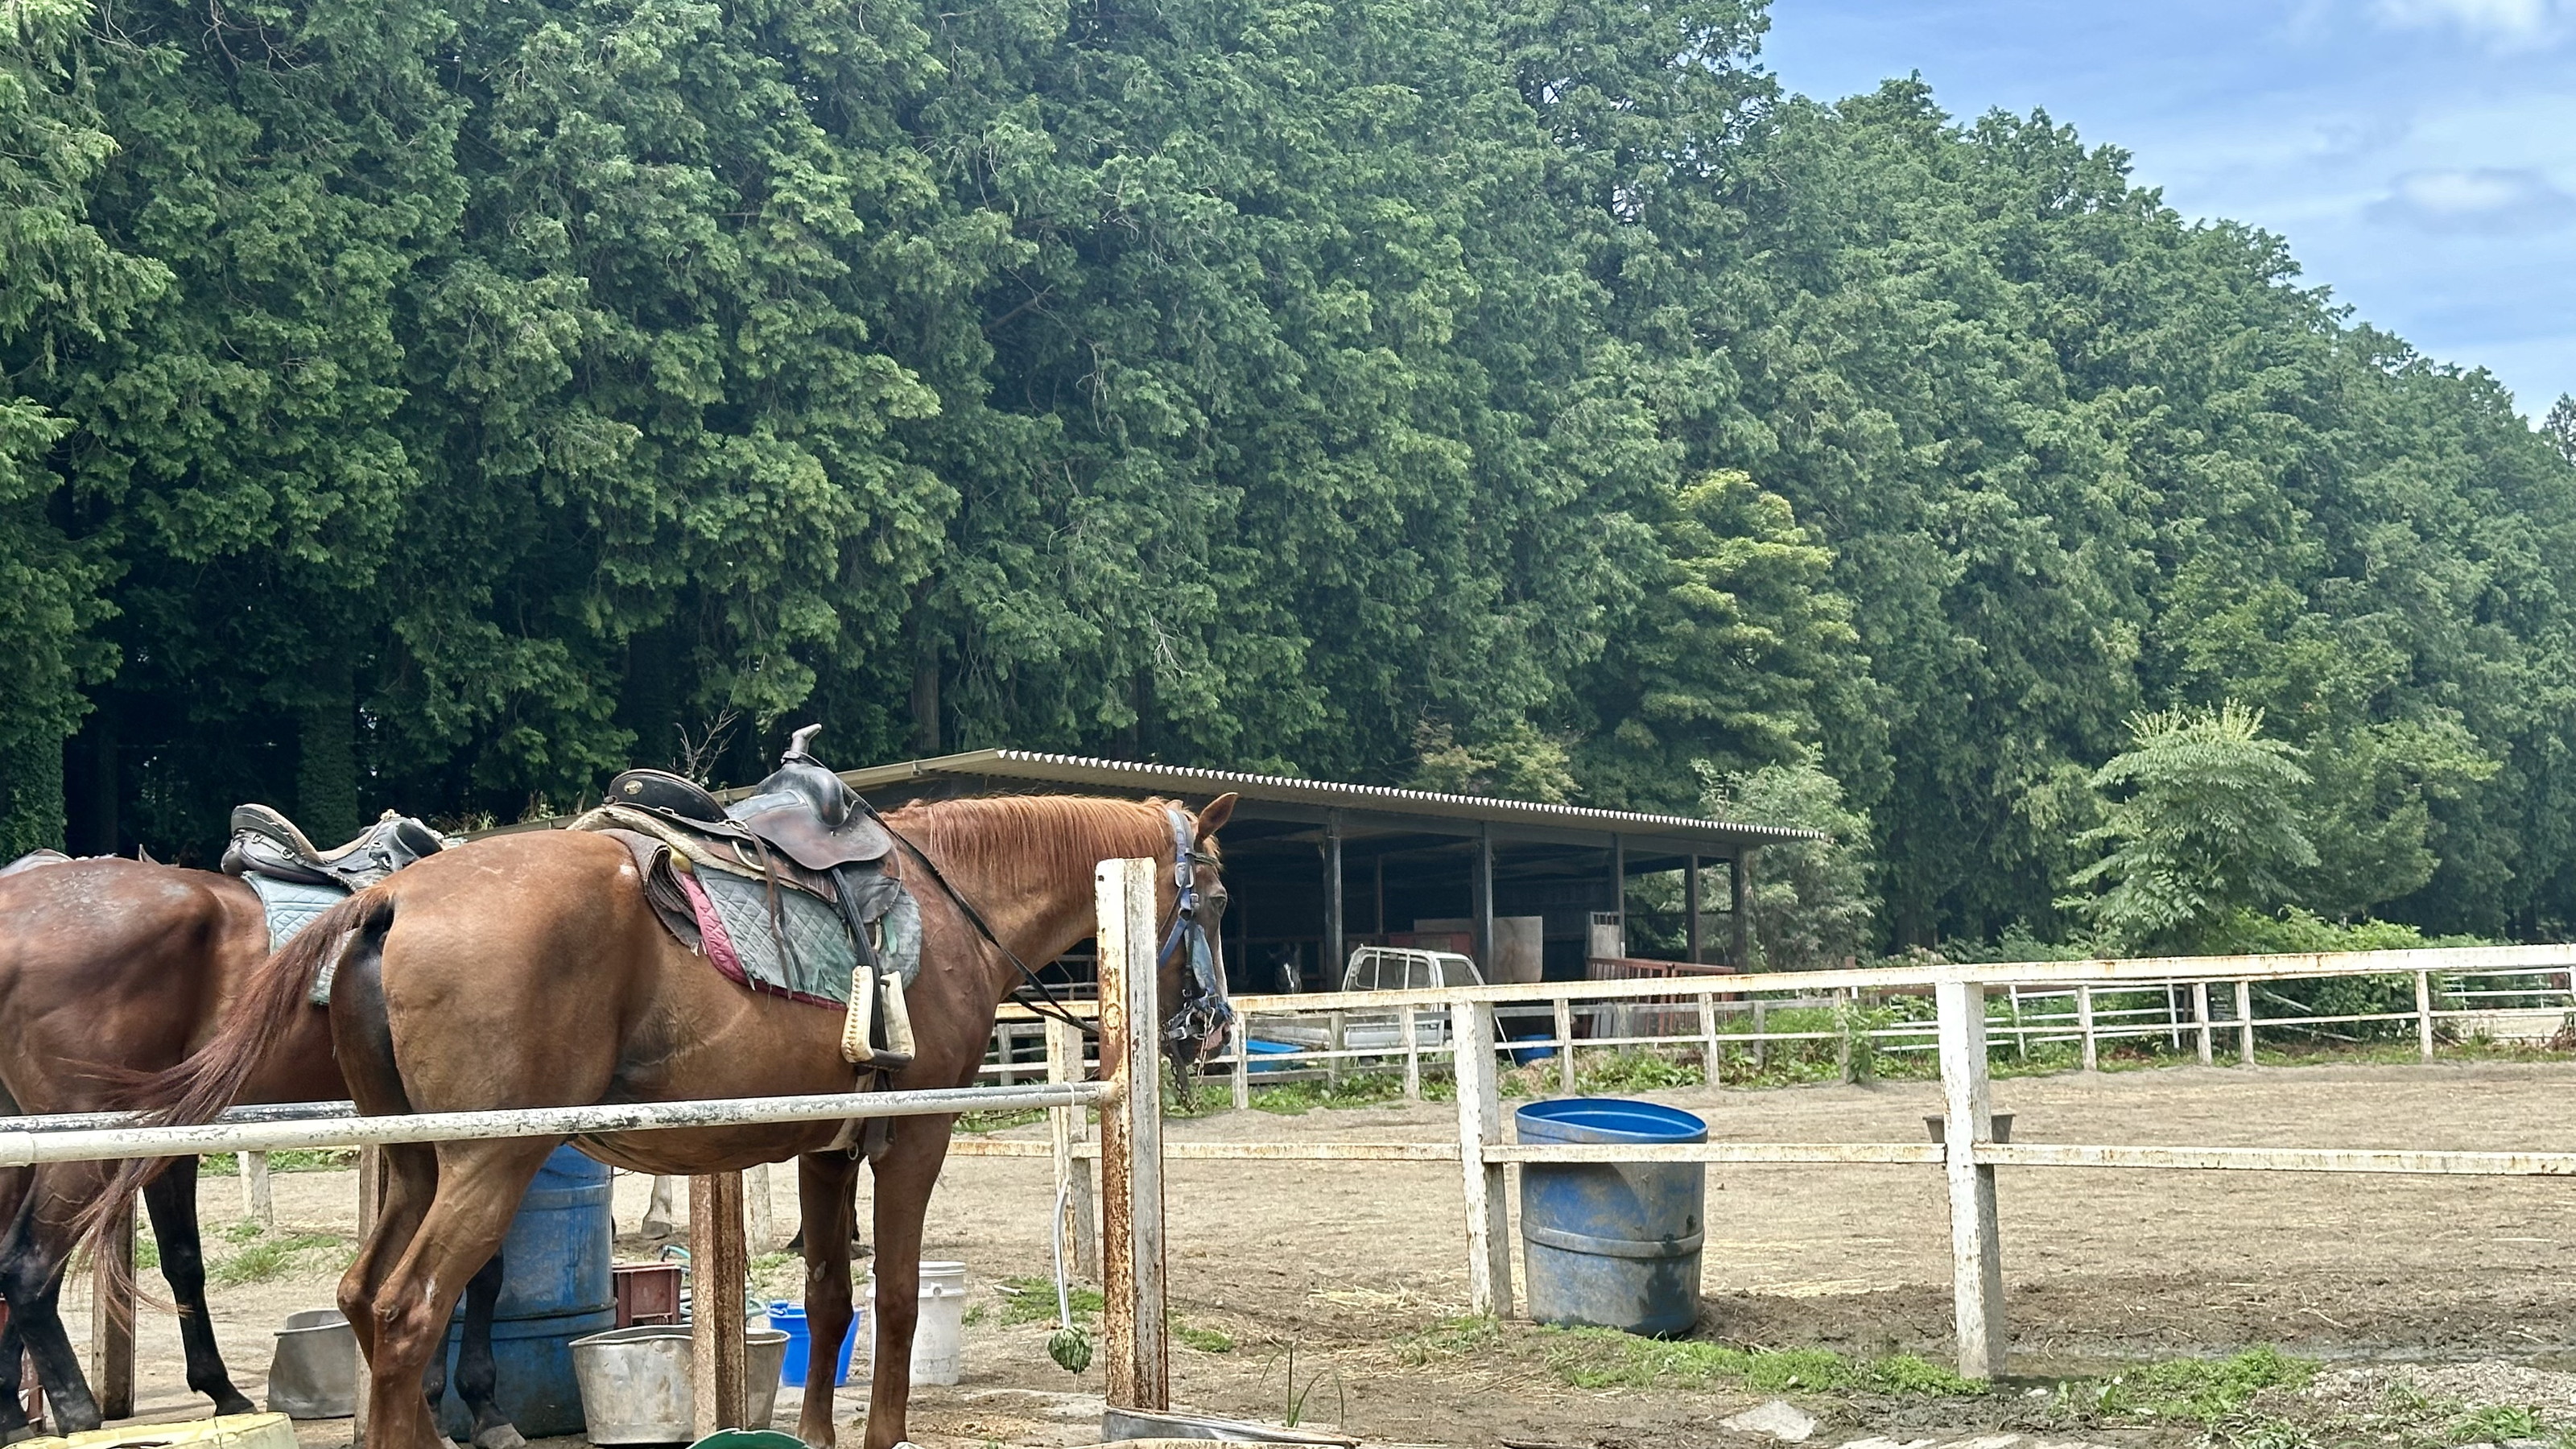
[(773, 1274), (1634, 1069), (1602, 1358), (980, 1123), (147, 1250), (1450, 1338), (1032, 1300), (974, 1315), (2198, 1390), (2496, 1423), (1205, 1340), (292, 1159), (1359, 1089), (266, 1258)]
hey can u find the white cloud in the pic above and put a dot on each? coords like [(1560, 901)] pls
[(2489, 199), (2506, 23)]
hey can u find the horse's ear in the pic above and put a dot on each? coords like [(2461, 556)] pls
[(1213, 818)]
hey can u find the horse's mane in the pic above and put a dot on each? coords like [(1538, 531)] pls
[(1020, 840)]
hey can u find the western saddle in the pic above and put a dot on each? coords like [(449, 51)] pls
[(803, 811), (267, 843)]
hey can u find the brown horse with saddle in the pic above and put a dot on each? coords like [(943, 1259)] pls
[(571, 967), (112, 969)]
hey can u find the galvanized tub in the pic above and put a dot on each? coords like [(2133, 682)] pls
[(635, 1383), (1612, 1245), (314, 1374)]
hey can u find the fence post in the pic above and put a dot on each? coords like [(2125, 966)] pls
[(1564, 1046), (371, 1196), (1067, 1126), (1976, 1247), (1412, 1055), (757, 1223), (1243, 1065), (1135, 1339), (2424, 1014), (1761, 1048), (719, 1269), (258, 1204), (2021, 1037), (111, 1331), (1480, 1125), (2200, 1011), (1708, 1037), (1333, 1043), (2245, 1022), (1846, 1014), (2084, 1024)]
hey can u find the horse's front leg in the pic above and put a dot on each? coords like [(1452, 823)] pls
[(826, 1183), (904, 1177)]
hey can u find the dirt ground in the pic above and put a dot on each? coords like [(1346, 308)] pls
[(1357, 1265)]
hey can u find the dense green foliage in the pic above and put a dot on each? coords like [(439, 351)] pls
[(439, 404)]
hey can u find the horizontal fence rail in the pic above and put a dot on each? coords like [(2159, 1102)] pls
[(97, 1144)]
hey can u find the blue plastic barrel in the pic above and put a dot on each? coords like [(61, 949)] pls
[(789, 1318), (554, 1288), (1613, 1245)]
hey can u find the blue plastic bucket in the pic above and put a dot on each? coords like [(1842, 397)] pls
[(554, 1288), (1260, 1049), (789, 1318), (1612, 1245)]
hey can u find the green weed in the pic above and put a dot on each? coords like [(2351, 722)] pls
[(266, 1259), (1032, 1300), (981, 1123), (292, 1159), (1449, 1338), (147, 1251), (1205, 1340), (1359, 1089), (2496, 1423), (1601, 1358), (2200, 1390), (1635, 1069)]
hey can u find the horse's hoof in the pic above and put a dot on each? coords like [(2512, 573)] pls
[(499, 1436), (231, 1402)]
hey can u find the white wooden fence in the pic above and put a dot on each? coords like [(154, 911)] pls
[(1976, 1009)]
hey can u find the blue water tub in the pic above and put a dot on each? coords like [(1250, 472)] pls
[(1612, 1245), (1259, 1049), (554, 1288), (789, 1318)]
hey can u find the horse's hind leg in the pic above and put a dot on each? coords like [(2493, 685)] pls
[(171, 1199), (31, 1278), (478, 1187), (478, 1374)]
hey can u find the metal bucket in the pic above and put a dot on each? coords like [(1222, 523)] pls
[(635, 1385), (315, 1372), (1612, 1245)]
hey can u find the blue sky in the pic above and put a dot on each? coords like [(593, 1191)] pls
[(2420, 155)]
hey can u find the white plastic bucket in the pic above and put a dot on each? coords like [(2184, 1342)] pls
[(939, 1333)]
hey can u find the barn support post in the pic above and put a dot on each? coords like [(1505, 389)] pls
[(258, 1202), (2200, 1014), (720, 1269), (2245, 1022), (111, 1331), (1336, 952), (2424, 1014), (1480, 1125), (2084, 1025), (1690, 915), (1483, 904), (1739, 895), (1069, 1126), (1136, 1342), (1976, 1246)]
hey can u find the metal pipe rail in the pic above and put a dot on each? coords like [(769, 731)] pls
[(27, 1148), (264, 1112)]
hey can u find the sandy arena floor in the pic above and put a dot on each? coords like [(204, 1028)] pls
[(1350, 1262)]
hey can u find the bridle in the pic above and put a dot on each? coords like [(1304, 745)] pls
[(1204, 1011)]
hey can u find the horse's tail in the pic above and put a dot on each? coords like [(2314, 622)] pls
[(198, 1089)]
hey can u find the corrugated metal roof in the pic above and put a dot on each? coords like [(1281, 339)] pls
[(1131, 774)]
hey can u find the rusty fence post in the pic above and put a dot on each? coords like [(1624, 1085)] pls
[(1135, 1337)]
